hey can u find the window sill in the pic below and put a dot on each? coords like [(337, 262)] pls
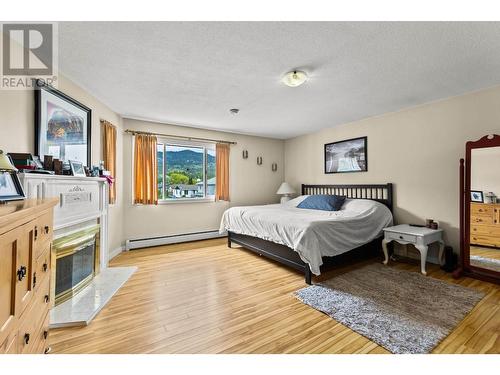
[(186, 200)]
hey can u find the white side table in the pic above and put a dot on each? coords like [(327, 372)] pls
[(420, 237)]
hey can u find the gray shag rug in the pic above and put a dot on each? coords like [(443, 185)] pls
[(488, 263), (405, 312)]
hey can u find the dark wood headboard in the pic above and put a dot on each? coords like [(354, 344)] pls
[(381, 193)]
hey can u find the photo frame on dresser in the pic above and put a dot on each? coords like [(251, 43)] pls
[(62, 126), (476, 196), (10, 187)]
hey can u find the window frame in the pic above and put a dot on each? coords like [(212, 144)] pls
[(185, 143)]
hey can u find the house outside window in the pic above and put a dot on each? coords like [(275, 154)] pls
[(186, 171)]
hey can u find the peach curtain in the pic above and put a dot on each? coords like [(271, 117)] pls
[(108, 131), (145, 170), (222, 172)]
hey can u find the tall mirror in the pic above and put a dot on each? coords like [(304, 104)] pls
[(480, 221)]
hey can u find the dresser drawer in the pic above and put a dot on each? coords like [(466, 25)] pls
[(42, 335), (42, 296), (42, 269), (482, 209), (401, 236), (485, 220), (483, 239), (43, 233), (489, 230)]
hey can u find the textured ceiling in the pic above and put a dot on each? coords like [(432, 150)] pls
[(192, 73)]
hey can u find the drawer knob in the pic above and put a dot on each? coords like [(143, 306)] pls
[(36, 233), (47, 229), (26, 338), (46, 298), (400, 237), (21, 273), (45, 334), (45, 267)]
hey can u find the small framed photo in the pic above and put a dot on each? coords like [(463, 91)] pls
[(10, 187), (77, 168), (476, 196)]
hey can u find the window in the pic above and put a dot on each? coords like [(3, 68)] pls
[(185, 170)]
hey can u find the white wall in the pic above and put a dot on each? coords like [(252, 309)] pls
[(417, 149), (485, 170), (250, 184), (17, 129)]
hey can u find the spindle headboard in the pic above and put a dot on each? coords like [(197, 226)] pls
[(381, 193)]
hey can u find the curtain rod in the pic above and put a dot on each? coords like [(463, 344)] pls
[(134, 132)]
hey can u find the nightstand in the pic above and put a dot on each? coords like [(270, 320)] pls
[(420, 237)]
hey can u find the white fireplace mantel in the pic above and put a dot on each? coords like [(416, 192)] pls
[(82, 201)]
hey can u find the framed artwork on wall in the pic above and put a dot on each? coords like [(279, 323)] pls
[(346, 156), (62, 126)]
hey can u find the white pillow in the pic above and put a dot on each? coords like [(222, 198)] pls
[(359, 205), (295, 201)]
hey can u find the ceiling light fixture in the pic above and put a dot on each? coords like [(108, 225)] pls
[(294, 78)]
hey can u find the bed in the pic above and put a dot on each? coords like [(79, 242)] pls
[(307, 239)]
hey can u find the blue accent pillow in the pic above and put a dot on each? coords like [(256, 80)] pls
[(323, 202)]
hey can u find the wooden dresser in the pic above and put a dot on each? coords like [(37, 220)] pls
[(485, 224), (25, 256)]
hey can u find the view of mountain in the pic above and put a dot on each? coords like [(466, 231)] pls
[(186, 163)]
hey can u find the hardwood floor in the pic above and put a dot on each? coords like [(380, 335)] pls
[(203, 297)]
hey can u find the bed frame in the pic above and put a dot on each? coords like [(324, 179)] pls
[(287, 256)]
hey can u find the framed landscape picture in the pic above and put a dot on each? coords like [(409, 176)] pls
[(346, 156), (62, 126)]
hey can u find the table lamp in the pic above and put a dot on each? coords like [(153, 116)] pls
[(285, 190), (5, 166)]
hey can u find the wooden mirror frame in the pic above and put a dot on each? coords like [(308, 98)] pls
[(465, 267)]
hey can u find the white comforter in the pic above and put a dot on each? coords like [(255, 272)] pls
[(311, 233)]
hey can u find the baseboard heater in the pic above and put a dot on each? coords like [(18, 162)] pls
[(166, 240)]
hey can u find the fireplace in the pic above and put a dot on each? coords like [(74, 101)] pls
[(76, 261)]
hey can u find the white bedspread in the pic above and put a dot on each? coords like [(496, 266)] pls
[(311, 233)]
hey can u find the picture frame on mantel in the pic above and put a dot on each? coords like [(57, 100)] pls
[(63, 126)]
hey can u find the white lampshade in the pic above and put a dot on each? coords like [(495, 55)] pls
[(5, 164), (285, 189)]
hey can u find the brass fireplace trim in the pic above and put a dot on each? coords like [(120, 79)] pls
[(70, 244), (66, 295)]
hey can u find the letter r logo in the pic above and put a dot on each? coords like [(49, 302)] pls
[(27, 49)]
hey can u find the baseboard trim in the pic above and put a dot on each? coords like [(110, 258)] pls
[(167, 240), (116, 252)]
